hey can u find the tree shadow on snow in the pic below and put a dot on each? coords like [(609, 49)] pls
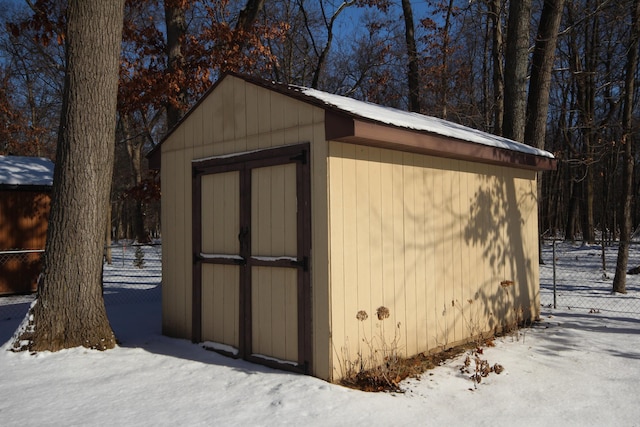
[(136, 318), (140, 326), (597, 323)]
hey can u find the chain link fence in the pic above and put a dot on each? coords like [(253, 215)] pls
[(573, 276), (133, 276), (580, 276), (19, 269)]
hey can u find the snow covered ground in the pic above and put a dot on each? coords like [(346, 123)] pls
[(584, 282), (579, 366)]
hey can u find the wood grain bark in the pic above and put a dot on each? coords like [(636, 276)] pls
[(69, 309)]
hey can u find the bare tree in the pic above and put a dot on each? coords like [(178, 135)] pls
[(619, 280), (32, 78), (446, 38), (541, 66), (176, 30), (69, 309), (329, 20), (176, 24), (497, 51), (516, 67), (585, 51), (249, 14), (539, 84), (135, 145), (413, 75)]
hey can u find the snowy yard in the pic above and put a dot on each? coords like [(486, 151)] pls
[(579, 366)]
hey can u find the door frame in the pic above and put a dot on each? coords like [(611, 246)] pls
[(244, 163)]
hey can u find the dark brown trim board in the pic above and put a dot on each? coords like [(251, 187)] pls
[(343, 128)]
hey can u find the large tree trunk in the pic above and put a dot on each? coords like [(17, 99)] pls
[(620, 278), (413, 75), (516, 66), (69, 309)]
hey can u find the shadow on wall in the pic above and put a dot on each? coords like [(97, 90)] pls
[(499, 215), (446, 245)]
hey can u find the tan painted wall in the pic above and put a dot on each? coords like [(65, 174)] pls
[(431, 239), (237, 117)]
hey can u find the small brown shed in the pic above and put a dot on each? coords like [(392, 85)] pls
[(25, 187), (286, 211)]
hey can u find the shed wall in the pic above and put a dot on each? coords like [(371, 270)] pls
[(448, 246), (239, 117), (23, 225)]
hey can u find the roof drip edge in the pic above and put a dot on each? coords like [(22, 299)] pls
[(342, 128)]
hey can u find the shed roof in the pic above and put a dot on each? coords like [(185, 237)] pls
[(417, 122), (365, 123), (20, 171)]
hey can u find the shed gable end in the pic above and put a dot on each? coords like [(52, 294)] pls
[(237, 115)]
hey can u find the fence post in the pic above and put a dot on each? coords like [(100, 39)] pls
[(554, 273)]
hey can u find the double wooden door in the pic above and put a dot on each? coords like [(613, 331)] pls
[(251, 245)]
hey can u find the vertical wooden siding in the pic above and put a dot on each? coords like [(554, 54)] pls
[(23, 225), (434, 240), (275, 312), (274, 234), (176, 251), (238, 116), (221, 210), (220, 302), (23, 219), (220, 283), (274, 208)]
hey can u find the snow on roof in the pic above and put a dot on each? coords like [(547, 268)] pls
[(419, 122), (19, 170)]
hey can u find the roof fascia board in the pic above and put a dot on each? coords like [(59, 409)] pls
[(344, 128)]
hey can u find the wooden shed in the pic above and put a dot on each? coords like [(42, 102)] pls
[(287, 211), (25, 187)]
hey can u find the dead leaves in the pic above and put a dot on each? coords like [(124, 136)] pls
[(478, 367)]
